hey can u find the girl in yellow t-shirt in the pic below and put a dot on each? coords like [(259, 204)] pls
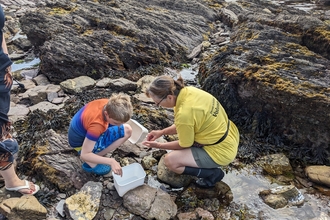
[(206, 137)]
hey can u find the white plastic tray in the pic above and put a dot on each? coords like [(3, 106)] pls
[(139, 132), (133, 176)]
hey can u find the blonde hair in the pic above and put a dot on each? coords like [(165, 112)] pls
[(165, 85), (119, 107)]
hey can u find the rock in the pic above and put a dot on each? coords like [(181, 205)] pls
[(41, 80), (221, 191), (120, 84), (85, 204), (281, 196), (143, 98), (150, 203), (59, 163), (171, 178), (77, 85), (25, 208), (144, 82), (319, 174), (44, 106), (148, 162), (18, 112), (281, 96), (118, 41), (276, 164), (29, 74)]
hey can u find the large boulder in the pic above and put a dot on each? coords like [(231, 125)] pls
[(274, 87), (92, 38)]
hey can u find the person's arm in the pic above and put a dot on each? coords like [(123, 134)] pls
[(87, 155), (4, 45), (173, 145), (153, 135), (169, 130), (8, 77)]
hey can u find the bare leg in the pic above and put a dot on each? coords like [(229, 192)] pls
[(177, 160), (12, 180)]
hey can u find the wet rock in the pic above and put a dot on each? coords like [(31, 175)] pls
[(281, 196), (220, 191), (275, 164), (26, 207), (319, 174), (85, 204)]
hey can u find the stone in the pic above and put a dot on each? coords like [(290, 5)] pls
[(275, 164), (319, 174), (77, 85), (171, 178), (150, 203), (26, 207), (85, 204)]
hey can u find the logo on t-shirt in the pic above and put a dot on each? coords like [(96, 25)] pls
[(215, 108)]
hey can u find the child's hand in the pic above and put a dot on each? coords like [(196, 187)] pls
[(116, 168)]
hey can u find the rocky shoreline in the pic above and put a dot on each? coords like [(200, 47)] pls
[(42, 110)]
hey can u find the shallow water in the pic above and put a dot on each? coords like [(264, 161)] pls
[(299, 4), (246, 187), (25, 64)]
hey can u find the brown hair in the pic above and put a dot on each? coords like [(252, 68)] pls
[(165, 85), (119, 107)]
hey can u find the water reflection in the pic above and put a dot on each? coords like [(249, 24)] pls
[(299, 4), (246, 187), (25, 64)]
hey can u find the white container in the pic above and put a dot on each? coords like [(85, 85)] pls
[(133, 176), (139, 132)]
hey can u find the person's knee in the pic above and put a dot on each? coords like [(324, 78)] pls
[(127, 130), (169, 163)]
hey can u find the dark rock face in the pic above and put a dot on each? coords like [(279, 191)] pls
[(92, 38), (272, 84)]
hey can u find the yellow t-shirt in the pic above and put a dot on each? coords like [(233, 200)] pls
[(200, 117)]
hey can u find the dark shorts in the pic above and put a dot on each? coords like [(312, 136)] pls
[(8, 148), (202, 159)]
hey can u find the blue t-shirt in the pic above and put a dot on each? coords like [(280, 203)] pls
[(4, 59)]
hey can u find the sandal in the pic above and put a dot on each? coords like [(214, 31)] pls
[(26, 186), (99, 169)]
